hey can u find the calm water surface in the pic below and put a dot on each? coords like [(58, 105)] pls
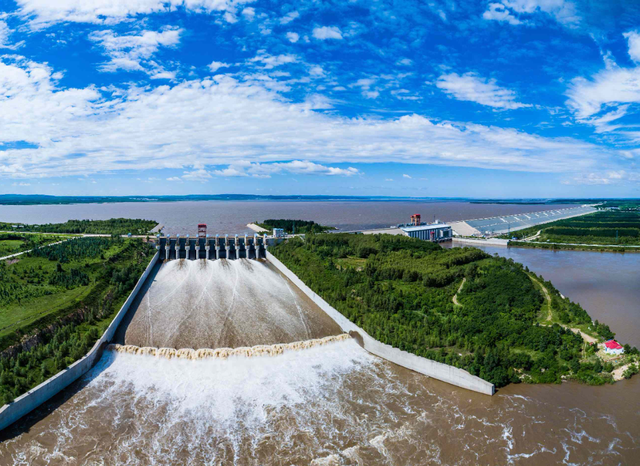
[(233, 216), (338, 405)]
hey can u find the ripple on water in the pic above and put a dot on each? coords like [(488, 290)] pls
[(334, 404)]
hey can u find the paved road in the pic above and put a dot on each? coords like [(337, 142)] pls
[(24, 252)]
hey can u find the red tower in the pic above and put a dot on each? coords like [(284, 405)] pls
[(202, 230), (415, 219)]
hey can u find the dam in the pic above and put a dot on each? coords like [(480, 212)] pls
[(330, 404), (221, 304), (205, 247)]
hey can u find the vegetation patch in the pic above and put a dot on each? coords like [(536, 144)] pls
[(56, 303), (14, 243), (400, 290), (294, 226), (609, 227), (114, 226)]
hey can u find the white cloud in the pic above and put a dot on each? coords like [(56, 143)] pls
[(133, 52), (45, 12), (474, 88), (316, 70), (563, 11), (327, 32), (293, 37), (286, 19), (633, 38), (298, 167), (406, 176), (605, 178), (271, 61), (216, 65), (174, 178), (249, 13), (4, 34), (197, 175), (405, 62), (498, 12), (221, 120), (609, 91)]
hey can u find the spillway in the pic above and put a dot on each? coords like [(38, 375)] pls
[(222, 304)]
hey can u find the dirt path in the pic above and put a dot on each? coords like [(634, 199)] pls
[(617, 374), (455, 296), (531, 238), (585, 337), (547, 297)]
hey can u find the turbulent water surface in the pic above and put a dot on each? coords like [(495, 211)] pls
[(222, 304), (329, 405)]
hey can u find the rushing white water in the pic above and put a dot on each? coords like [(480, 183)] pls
[(224, 353), (215, 304), (328, 405)]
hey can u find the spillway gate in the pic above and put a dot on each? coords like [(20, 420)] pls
[(237, 247)]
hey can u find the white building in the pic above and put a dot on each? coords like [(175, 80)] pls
[(613, 347), (436, 232), (278, 233)]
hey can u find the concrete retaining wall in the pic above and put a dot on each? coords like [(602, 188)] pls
[(27, 402), (439, 371)]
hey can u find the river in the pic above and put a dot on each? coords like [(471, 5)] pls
[(338, 405)]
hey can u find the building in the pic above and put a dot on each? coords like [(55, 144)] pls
[(436, 232), (415, 219), (202, 230), (613, 347), (278, 233)]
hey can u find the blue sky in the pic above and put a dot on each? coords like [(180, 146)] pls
[(512, 98)]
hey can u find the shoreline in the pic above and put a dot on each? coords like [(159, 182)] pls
[(575, 247)]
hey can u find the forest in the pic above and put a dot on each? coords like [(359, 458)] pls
[(13, 243), (401, 291), (294, 226), (113, 226), (62, 300), (614, 227)]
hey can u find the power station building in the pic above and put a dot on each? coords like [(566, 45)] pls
[(436, 232)]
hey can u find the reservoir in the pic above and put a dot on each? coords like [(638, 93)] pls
[(337, 404), (232, 216)]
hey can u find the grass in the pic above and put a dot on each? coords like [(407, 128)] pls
[(10, 246), (600, 231), (13, 243), (19, 315), (36, 302), (352, 261)]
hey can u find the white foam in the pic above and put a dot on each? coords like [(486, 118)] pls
[(220, 388)]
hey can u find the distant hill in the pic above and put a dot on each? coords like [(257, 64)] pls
[(36, 199)]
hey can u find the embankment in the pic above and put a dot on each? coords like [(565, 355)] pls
[(27, 402), (439, 371)]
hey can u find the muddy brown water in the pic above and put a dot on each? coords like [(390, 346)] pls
[(338, 405), (233, 216)]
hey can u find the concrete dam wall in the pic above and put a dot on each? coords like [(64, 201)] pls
[(221, 304), (219, 247)]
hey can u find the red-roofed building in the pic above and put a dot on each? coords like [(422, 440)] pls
[(613, 347)]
